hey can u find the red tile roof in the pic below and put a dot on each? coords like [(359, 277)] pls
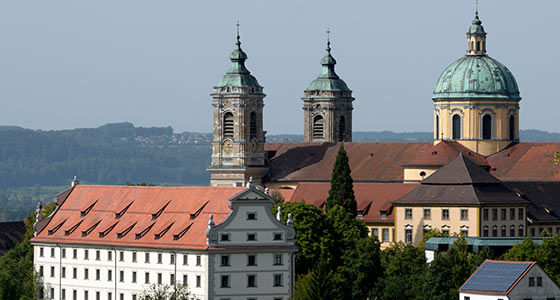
[(372, 198), (526, 162), (164, 217)]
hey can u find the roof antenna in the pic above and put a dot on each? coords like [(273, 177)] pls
[(238, 37)]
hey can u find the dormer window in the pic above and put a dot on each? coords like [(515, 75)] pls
[(251, 236), (251, 216), (224, 237), (277, 236)]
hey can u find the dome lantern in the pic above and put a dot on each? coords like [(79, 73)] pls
[(476, 37)]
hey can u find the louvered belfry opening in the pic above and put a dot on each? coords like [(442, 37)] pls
[(318, 126), (342, 129), (253, 126), (228, 125)]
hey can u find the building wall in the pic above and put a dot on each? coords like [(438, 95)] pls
[(330, 105), (115, 265), (418, 173), (476, 296), (524, 290), (379, 230), (418, 223), (499, 221)]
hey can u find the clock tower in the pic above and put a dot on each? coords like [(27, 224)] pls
[(238, 137)]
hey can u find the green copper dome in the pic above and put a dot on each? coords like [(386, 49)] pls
[(328, 80), (476, 76), (238, 75)]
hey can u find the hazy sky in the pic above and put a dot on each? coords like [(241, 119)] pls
[(68, 64)]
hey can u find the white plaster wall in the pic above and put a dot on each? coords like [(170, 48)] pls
[(474, 296)]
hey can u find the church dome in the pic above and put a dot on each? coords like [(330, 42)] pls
[(328, 80), (238, 75), (476, 76)]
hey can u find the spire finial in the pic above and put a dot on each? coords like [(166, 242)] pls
[(476, 8), (238, 37), (328, 39)]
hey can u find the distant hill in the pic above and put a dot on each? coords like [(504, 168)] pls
[(33, 162)]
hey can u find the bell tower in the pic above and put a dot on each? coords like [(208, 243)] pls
[(327, 105), (238, 137)]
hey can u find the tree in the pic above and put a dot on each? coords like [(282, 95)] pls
[(321, 283), (362, 268), (166, 292), (342, 189)]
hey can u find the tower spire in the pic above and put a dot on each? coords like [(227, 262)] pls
[(238, 43), (328, 40)]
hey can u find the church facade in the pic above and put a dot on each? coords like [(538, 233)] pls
[(476, 115)]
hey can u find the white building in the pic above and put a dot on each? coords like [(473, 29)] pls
[(111, 242), (509, 280)]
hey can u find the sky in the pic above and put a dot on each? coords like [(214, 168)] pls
[(71, 64)]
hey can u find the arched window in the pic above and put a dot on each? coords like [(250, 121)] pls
[(512, 127), (253, 126), (477, 45), (318, 127), (456, 127), (342, 129), (228, 125), (487, 127), (437, 127)]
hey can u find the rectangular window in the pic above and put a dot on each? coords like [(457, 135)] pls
[(278, 259), (146, 277), (52, 271), (97, 274), (41, 271), (41, 252), (133, 256), (494, 230), (133, 296), (63, 272), (539, 281), (185, 279), (512, 230), (109, 275), (198, 260), (408, 235), (512, 214), (63, 294), (445, 213), (63, 253), (427, 213), (251, 281), (109, 255), (198, 281), (97, 255), (494, 214), (74, 295), (504, 231), (121, 276), (74, 273), (52, 293), (278, 236), (159, 258), (385, 234), (97, 296), (75, 253), (251, 216), (531, 281), (485, 214), (185, 259), (86, 254), (408, 213), (520, 214), (159, 278), (86, 295), (86, 274), (147, 258), (251, 236), (109, 296), (467, 298), (133, 276), (278, 280), (225, 260), (121, 296), (121, 256), (172, 259), (465, 231), (375, 232), (520, 233), (251, 260), (464, 214), (52, 252), (225, 281), (504, 214), (172, 279), (224, 237)]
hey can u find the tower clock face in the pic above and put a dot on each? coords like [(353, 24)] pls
[(254, 146), (227, 147)]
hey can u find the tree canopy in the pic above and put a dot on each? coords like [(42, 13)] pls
[(342, 186)]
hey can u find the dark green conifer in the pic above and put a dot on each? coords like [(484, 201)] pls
[(342, 187)]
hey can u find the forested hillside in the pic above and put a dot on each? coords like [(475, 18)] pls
[(35, 164)]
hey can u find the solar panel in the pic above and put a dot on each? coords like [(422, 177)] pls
[(496, 276)]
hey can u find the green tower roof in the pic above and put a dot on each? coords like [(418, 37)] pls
[(476, 26), (328, 80), (238, 75)]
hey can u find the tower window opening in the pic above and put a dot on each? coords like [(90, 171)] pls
[(477, 45), (437, 127), (486, 127), (342, 129), (472, 45), (456, 127), (228, 125), (318, 124), (511, 127), (253, 126)]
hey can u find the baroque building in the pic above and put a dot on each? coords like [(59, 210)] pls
[(238, 136), (327, 106)]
